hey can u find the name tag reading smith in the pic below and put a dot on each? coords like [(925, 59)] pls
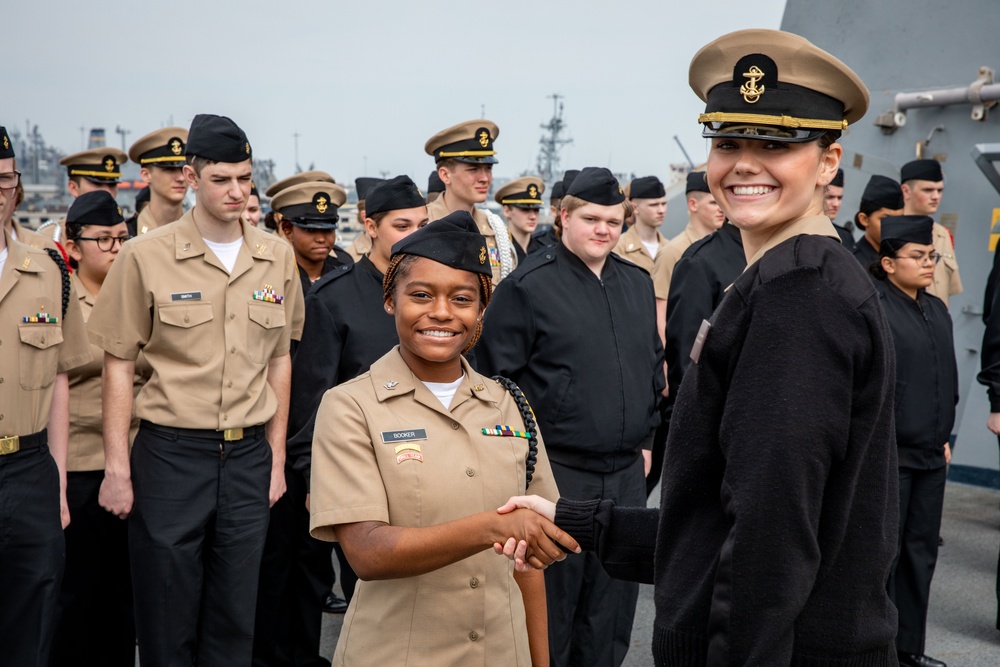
[(389, 437), (185, 296)]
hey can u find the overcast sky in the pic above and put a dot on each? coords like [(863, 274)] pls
[(374, 78)]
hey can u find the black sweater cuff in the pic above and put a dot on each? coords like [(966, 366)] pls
[(576, 517)]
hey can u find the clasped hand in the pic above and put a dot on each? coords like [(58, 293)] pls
[(542, 548)]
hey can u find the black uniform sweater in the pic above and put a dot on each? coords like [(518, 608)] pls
[(779, 511)]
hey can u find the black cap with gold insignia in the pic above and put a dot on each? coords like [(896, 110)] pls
[(597, 185), (454, 240), (6, 145), (160, 148), (392, 195), (524, 192), (364, 184), (646, 187), (311, 176), (773, 85), (218, 138), (898, 230), (434, 183), (696, 182), (100, 165), (310, 205), (471, 142), (96, 207), (921, 170)]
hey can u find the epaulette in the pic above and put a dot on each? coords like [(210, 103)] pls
[(338, 272)]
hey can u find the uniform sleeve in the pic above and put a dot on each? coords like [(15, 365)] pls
[(75, 348), (346, 483), (663, 267), (688, 304), (122, 318), (786, 423), (315, 369), (294, 308), (508, 332)]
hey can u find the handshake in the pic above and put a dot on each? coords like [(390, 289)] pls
[(543, 543)]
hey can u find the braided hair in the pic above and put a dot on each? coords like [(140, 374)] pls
[(64, 270), (528, 415), (399, 266)]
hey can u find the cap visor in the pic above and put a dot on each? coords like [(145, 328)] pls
[(488, 159), (761, 132)]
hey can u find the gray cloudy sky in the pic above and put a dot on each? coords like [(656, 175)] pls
[(374, 78)]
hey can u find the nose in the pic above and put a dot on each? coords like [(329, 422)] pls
[(441, 308), (234, 189), (746, 162)]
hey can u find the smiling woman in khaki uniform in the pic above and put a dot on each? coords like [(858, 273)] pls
[(410, 462)]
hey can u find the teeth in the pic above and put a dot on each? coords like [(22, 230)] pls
[(751, 189), (439, 334)]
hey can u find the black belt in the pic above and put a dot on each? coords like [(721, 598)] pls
[(12, 444), (228, 435)]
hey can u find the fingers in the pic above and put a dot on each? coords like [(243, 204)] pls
[(517, 502)]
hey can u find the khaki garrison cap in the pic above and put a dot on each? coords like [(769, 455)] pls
[(100, 165), (770, 84), (471, 142), (310, 205), (525, 192), (311, 176), (161, 148)]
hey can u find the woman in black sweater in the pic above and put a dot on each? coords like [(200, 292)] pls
[(926, 394), (777, 522)]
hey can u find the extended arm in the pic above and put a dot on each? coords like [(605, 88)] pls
[(279, 377), (58, 430), (116, 404), (532, 585)]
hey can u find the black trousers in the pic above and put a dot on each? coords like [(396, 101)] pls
[(32, 552), (96, 619), (196, 535), (921, 501), (590, 614), (295, 576)]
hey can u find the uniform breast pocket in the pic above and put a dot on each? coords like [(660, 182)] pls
[(266, 323), (39, 354), (186, 335)]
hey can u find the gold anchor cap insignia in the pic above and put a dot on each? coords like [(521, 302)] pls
[(176, 147), (247, 147), (482, 255), (321, 204), (390, 384), (533, 192), (484, 138), (750, 91), (109, 164)]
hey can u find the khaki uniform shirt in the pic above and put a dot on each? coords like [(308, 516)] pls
[(946, 279), (208, 335), (146, 223), (360, 246), (437, 210), (667, 258), (630, 247), (53, 231), (29, 237), (86, 429), (32, 354), (386, 449)]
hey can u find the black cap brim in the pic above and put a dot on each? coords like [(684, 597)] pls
[(761, 132), (486, 159)]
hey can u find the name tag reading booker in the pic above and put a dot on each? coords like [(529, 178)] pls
[(405, 443)]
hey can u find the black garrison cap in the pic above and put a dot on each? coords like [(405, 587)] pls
[(142, 197), (838, 180), (647, 187), (921, 170), (454, 241), (905, 229), (97, 207), (567, 180), (6, 145), (217, 138), (434, 183), (597, 185), (696, 182), (364, 184), (394, 194), (881, 192), (558, 191)]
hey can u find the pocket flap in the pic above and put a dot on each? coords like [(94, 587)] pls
[(267, 316), (186, 315), (40, 335)]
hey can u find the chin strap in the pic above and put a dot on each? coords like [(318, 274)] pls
[(528, 416)]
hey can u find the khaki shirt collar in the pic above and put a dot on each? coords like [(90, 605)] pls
[(391, 377), (18, 255), (817, 225), (82, 293), (188, 244)]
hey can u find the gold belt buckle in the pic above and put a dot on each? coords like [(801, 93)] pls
[(9, 445), (231, 434)]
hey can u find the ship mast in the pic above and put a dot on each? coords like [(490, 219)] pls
[(551, 142)]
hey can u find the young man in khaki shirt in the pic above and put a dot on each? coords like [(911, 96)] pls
[(642, 243), (42, 337), (923, 184), (213, 304), (160, 154)]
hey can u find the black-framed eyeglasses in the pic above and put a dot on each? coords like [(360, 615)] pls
[(106, 243), (9, 180), (923, 258)]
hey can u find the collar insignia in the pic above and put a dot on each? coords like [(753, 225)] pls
[(390, 384), (750, 91), (260, 249), (27, 263)]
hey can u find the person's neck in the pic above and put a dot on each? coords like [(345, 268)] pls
[(215, 230), (312, 268), (908, 291), (163, 211), (91, 283), (432, 371), (453, 204), (700, 229), (872, 242), (522, 238), (910, 210), (595, 265), (378, 260), (647, 233)]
